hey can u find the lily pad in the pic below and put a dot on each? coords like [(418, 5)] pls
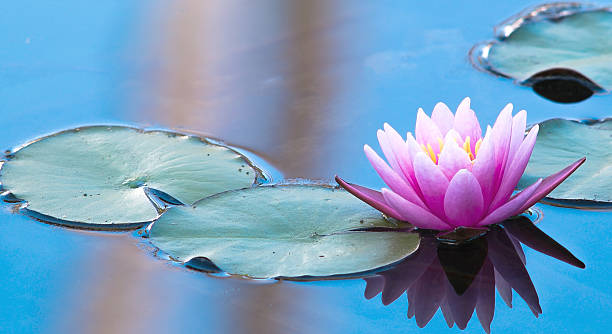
[(282, 231), (562, 50), (99, 177), (559, 143)]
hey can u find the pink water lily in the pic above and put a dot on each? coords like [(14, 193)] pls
[(449, 175)]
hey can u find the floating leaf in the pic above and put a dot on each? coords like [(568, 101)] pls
[(98, 177), (562, 50), (562, 141), (282, 231)]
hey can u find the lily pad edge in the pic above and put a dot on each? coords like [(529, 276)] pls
[(210, 268), (479, 53), (578, 203), (20, 205)]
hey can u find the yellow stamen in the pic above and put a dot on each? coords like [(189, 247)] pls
[(477, 146), (466, 145), (428, 149), (432, 155)]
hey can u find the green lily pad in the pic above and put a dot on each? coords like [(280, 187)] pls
[(99, 177), (282, 231), (561, 142), (563, 50)]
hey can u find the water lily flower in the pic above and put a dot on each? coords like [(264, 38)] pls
[(449, 175)]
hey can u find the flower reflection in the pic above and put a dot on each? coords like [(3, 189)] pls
[(461, 276), (449, 175)]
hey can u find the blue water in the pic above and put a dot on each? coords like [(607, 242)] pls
[(304, 86)]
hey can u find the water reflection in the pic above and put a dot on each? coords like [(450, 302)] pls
[(263, 77), (460, 276)]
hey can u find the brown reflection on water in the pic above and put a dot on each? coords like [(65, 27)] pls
[(112, 289), (185, 62), (254, 76), (278, 307), (310, 90)]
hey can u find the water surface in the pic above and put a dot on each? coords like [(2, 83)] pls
[(303, 84)]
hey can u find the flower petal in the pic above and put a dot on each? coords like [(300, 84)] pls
[(501, 133), (413, 149), (484, 168), (519, 122), (432, 182), (374, 198), (412, 213), (394, 181), (402, 154), (443, 117), (385, 146), (452, 158), (463, 202), (515, 170), (413, 145), (466, 123), (427, 131), (550, 183), (454, 135), (512, 207)]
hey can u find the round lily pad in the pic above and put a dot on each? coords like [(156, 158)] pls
[(559, 143), (282, 231), (99, 177), (562, 50)]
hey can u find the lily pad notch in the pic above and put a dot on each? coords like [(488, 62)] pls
[(282, 231), (118, 177), (561, 50)]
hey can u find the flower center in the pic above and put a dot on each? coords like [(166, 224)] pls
[(435, 157)]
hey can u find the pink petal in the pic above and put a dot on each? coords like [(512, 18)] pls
[(453, 135), (394, 181), (413, 145), (512, 207), (484, 168), (519, 122), (466, 123), (374, 198), (402, 154), (515, 169), (443, 117), (413, 149), (413, 214), (427, 131), (551, 183), (463, 202), (453, 158), (501, 133), (383, 141), (432, 182)]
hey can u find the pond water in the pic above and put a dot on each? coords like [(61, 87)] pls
[(303, 85)]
